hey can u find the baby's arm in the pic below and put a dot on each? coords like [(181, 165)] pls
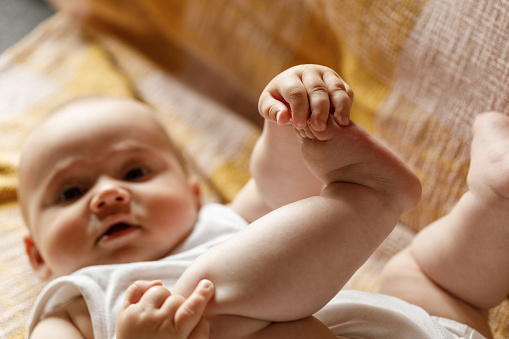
[(56, 325), (149, 310), (303, 96)]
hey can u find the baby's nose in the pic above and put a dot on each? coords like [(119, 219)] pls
[(109, 196)]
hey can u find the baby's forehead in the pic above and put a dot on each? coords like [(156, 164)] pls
[(78, 125), (100, 109), (84, 113)]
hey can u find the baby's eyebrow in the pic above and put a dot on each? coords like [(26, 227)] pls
[(77, 161), (131, 146), (62, 166)]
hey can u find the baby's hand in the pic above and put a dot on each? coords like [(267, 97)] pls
[(305, 96), (151, 311)]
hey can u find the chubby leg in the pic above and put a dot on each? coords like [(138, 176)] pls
[(307, 328), (288, 264), (458, 267), (349, 154)]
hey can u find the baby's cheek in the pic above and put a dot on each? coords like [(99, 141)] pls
[(65, 249), (175, 217)]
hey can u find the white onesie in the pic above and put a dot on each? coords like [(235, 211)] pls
[(351, 314)]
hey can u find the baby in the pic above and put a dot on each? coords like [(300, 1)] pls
[(108, 202), (115, 218)]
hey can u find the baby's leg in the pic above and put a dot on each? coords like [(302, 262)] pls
[(367, 189), (288, 264), (352, 155), (458, 267)]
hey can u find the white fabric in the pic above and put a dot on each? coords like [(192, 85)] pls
[(358, 314), (459, 330), (351, 314)]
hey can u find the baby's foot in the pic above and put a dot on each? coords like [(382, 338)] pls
[(355, 156), (488, 176)]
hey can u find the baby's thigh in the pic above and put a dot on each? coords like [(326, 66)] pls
[(403, 278), (306, 328)]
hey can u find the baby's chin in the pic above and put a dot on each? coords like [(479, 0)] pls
[(126, 256)]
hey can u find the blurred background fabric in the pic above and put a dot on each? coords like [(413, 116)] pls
[(20, 17)]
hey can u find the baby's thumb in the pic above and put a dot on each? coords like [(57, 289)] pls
[(274, 110), (191, 311)]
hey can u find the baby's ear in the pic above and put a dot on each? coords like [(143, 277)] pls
[(195, 185), (36, 261)]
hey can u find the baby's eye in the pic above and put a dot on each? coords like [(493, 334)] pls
[(135, 173), (71, 193)]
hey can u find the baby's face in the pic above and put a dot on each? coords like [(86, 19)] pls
[(101, 184)]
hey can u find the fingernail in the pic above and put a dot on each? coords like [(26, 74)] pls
[(278, 117), (344, 121), (205, 284), (322, 124)]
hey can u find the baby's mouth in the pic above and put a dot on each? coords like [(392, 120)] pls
[(116, 230)]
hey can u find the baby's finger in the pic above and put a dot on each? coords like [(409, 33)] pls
[(304, 133), (190, 312), (309, 132), (155, 296), (272, 109), (298, 135), (136, 291), (319, 102), (341, 96), (301, 133), (295, 95), (328, 132)]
